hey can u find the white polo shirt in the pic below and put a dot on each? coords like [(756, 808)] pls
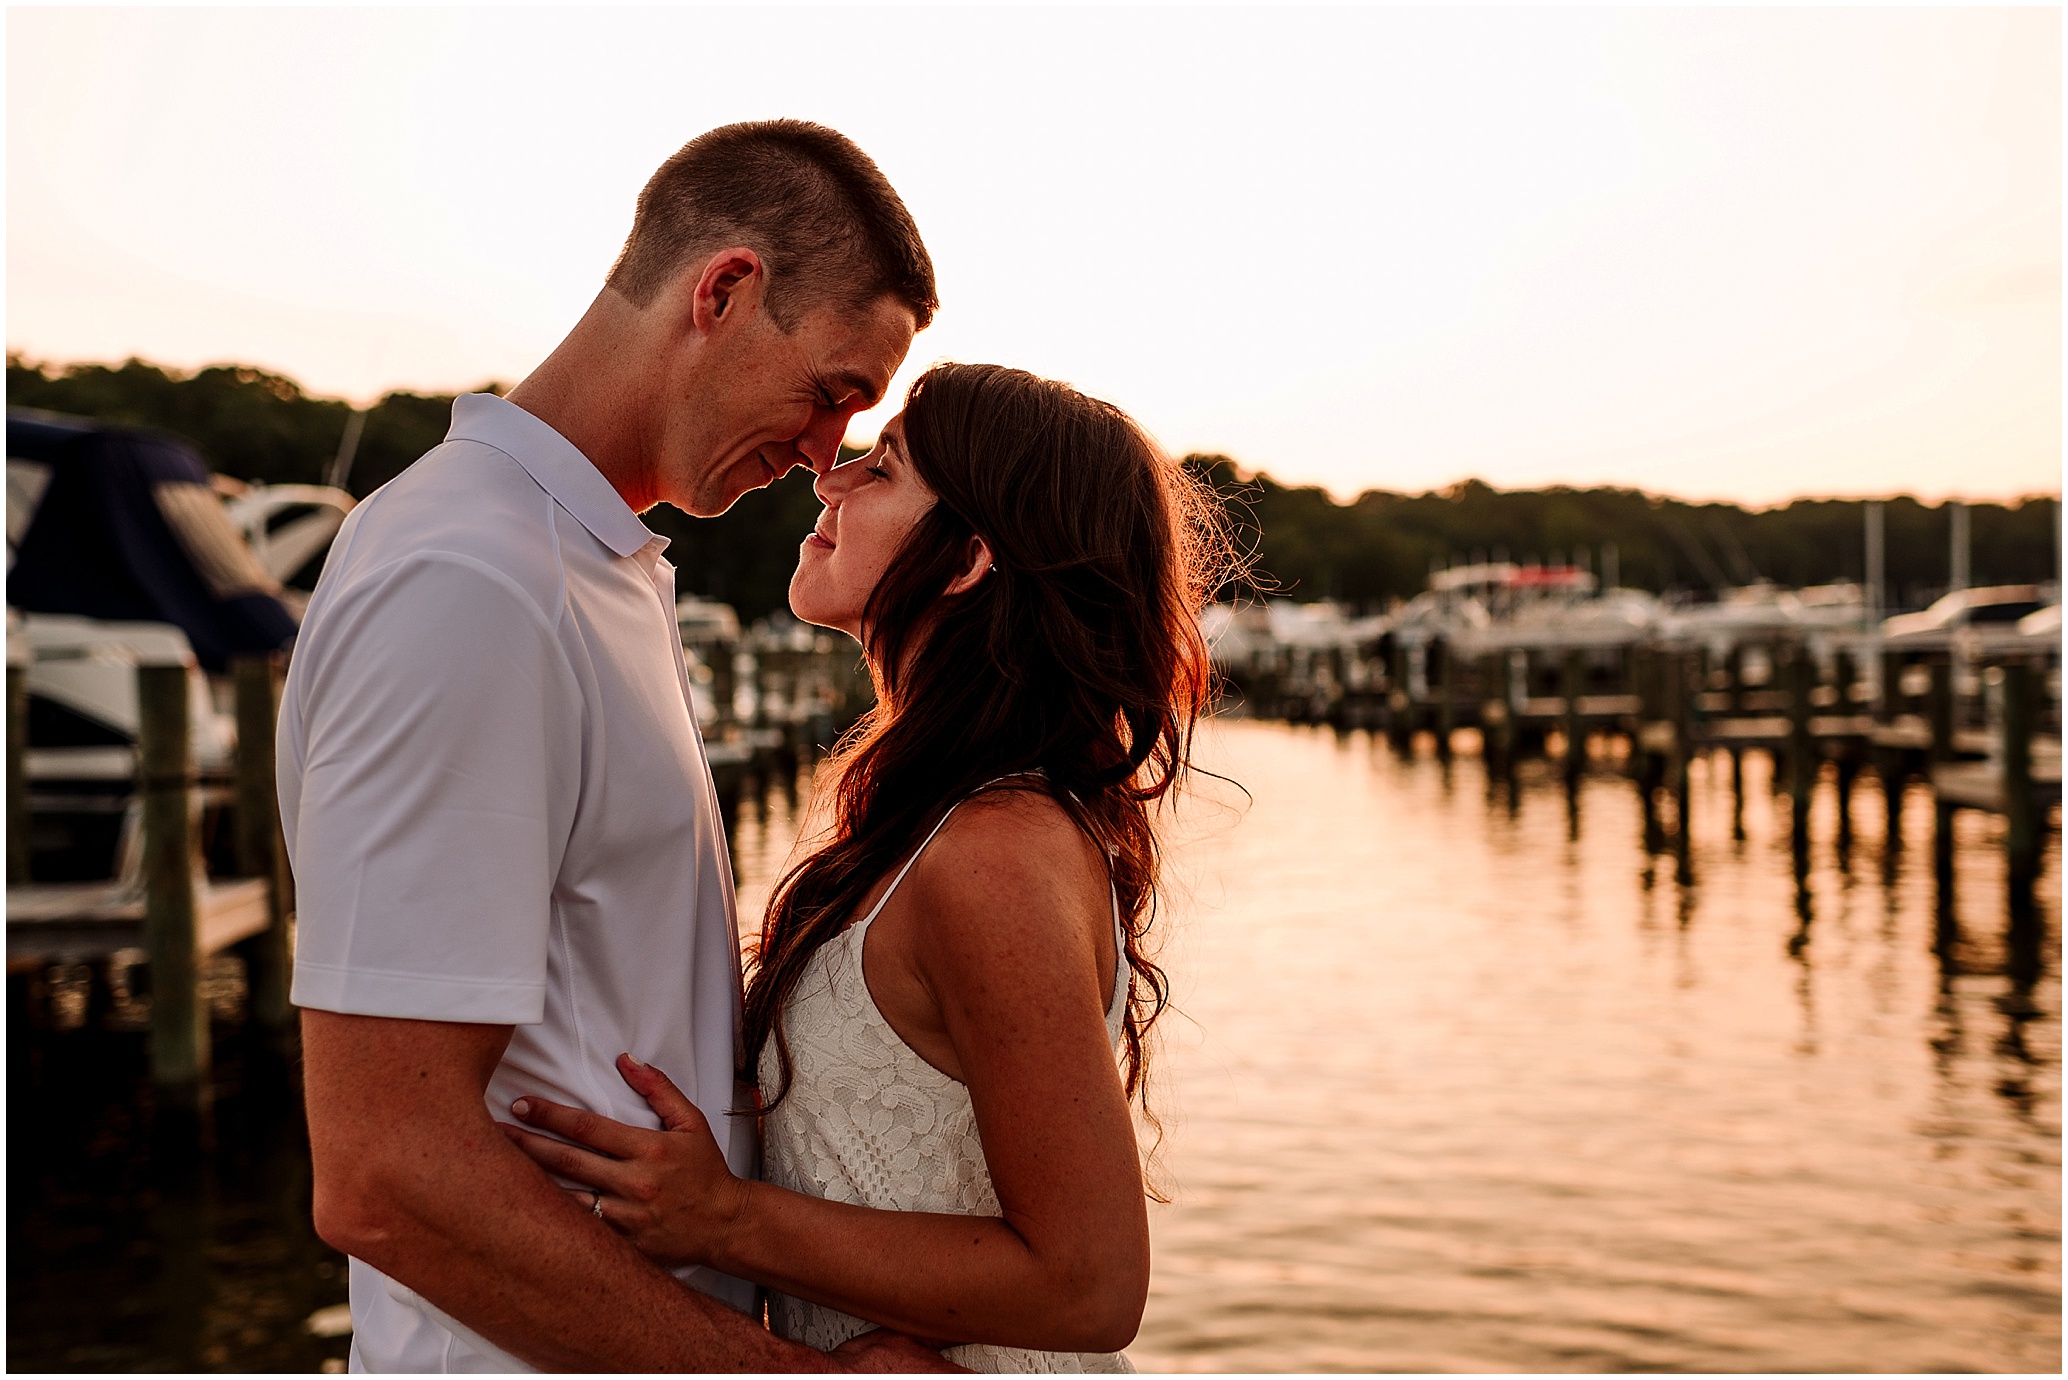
[(497, 805)]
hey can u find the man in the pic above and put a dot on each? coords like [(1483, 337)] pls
[(509, 860)]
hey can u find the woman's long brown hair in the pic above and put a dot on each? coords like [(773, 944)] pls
[(1078, 657)]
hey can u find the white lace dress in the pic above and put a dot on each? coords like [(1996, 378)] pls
[(868, 1121)]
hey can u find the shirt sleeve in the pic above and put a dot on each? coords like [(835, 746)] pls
[(439, 750)]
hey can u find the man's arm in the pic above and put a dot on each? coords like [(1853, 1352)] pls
[(1001, 926), (413, 1178)]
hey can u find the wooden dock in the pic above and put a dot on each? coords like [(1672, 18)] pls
[(1983, 732), (161, 900)]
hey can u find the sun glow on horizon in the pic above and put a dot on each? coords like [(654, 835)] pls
[(1745, 254)]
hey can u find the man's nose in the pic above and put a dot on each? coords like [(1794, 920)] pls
[(819, 443)]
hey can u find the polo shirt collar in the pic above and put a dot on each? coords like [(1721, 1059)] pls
[(562, 471)]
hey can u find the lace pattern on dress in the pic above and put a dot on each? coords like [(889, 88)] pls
[(868, 1121)]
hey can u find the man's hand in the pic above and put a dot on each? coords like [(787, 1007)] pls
[(879, 1351)]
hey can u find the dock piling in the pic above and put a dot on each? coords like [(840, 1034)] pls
[(1446, 711), (1801, 675), (1848, 774), (17, 774), (1496, 724), (268, 956), (1682, 686), (1939, 708), (1891, 761), (724, 679), (1737, 794), (2021, 812), (1574, 681), (1400, 709), (165, 778)]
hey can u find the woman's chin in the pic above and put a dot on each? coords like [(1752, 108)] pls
[(829, 626), (807, 609)]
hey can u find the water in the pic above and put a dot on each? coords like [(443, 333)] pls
[(1457, 1090), (122, 1257), (1452, 1088)]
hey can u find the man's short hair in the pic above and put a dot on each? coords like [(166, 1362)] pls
[(827, 223)]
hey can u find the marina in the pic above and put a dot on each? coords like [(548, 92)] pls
[(1602, 895), (1565, 979), (1446, 1086)]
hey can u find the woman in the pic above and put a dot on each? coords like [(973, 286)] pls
[(941, 986)]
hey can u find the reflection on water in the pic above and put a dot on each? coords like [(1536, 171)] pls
[(122, 1256), (1453, 1087), (1457, 1086), (1461, 1089)]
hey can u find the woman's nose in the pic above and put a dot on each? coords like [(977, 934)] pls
[(832, 486)]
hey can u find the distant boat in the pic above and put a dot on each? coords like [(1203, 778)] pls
[(121, 550), (1990, 605), (121, 524)]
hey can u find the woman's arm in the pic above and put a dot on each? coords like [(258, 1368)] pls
[(996, 962)]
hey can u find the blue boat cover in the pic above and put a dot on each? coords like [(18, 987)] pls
[(122, 532)]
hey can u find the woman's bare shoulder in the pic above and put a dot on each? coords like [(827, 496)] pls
[(1023, 829), (1014, 854)]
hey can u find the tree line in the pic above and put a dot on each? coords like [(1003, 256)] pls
[(1382, 545), (1379, 547)]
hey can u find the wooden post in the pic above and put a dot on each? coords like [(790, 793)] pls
[(1681, 688), (762, 680), (1738, 794), (17, 774), (1848, 773), (1651, 779), (1942, 847), (1940, 709), (1892, 762), (2021, 815), (1446, 721), (1802, 761), (1514, 693), (1644, 665), (1891, 701), (1889, 765), (724, 679), (165, 778), (1575, 680), (1496, 724), (268, 957), (1642, 764), (1400, 709)]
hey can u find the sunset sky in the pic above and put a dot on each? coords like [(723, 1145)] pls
[(1743, 254)]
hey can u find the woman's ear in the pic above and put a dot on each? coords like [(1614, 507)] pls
[(980, 563)]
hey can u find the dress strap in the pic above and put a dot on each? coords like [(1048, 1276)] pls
[(891, 890)]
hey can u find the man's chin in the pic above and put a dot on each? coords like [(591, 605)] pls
[(712, 503)]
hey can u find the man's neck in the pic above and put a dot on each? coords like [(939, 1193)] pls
[(588, 391)]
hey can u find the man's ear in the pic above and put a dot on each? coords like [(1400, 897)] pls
[(732, 284), (980, 563)]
